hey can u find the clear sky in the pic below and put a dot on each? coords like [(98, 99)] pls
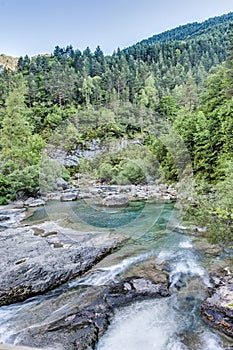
[(37, 26)]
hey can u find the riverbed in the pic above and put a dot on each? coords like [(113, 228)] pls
[(169, 323)]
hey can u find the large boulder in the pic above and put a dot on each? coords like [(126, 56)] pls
[(116, 201), (61, 184)]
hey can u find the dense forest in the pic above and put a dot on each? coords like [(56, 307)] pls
[(170, 98)]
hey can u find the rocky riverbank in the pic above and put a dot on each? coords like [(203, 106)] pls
[(39, 258), (81, 326), (217, 309), (106, 192), (114, 195)]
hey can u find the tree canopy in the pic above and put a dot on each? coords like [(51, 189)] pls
[(176, 83)]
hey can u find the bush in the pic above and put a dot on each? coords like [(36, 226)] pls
[(213, 208), (5, 190), (25, 181), (49, 171), (132, 173), (3, 200)]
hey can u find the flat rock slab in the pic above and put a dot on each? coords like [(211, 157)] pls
[(36, 259)]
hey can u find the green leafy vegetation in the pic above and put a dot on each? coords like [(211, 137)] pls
[(213, 208), (157, 110)]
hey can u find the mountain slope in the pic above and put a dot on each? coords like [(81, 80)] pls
[(191, 30)]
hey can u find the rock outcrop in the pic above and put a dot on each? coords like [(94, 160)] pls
[(218, 308), (39, 258), (80, 327)]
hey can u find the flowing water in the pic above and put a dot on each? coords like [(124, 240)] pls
[(172, 323)]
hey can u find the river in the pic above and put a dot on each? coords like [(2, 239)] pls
[(171, 323)]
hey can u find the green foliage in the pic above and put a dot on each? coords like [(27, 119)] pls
[(132, 164), (25, 181), (73, 99), (124, 173), (148, 95), (20, 149), (5, 189), (190, 30), (130, 173), (49, 171), (213, 208), (167, 107)]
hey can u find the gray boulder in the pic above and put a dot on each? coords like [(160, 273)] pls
[(116, 201), (61, 184), (69, 197)]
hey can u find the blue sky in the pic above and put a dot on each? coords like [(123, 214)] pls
[(37, 26)]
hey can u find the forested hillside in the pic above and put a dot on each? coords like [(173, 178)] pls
[(191, 30), (178, 82)]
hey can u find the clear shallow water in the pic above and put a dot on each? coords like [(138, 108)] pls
[(88, 212), (134, 220), (172, 323)]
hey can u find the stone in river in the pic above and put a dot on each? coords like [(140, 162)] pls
[(115, 201)]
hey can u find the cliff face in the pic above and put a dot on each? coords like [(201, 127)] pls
[(8, 62)]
